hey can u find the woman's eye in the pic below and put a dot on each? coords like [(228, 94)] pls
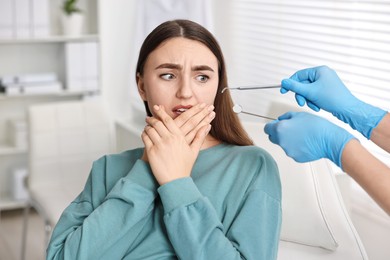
[(202, 78), (167, 76)]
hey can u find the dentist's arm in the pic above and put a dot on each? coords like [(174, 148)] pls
[(306, 137), (381, 134), (321, 88), (368, 171)]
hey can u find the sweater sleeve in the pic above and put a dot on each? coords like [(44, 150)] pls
[(98, 225), (196, 232)]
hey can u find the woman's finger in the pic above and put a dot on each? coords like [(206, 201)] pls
[(152, 134), (198, 120), (205, 122), (183, 118), (200, 137), (166, 120), (159, 126), (146, 140)]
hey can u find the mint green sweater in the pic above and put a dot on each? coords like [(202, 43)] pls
[(230, 208)]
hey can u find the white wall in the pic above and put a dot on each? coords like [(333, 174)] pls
[(116, 27), (221, 9)]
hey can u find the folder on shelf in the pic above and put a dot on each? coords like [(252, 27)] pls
[(40, 18), (74, 66), (6, 80), (28, 78), (38, 88), (22, 19), (82, 71), (91, 61), (36, 78), (6, 19)]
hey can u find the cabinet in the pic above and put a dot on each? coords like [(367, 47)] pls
[(43, 54)]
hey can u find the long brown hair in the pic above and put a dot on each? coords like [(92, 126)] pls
[(226, 126)]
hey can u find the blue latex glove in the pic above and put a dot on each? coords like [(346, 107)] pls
[(320, 87), (306, 137)]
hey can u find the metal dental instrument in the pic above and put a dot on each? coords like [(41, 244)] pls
[(251, 87), (238, 109)]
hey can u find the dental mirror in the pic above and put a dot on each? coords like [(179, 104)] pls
[(251, 87), (238, 110)]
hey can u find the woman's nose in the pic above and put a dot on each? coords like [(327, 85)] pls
[(184, 90)]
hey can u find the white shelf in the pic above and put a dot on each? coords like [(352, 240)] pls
[(10, 150), (8, 203), (64, 93), (51, 39), (46, 54)]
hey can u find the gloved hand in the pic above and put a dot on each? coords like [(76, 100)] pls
[(306, 137), (320, 87)]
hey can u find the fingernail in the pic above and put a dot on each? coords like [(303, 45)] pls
[(156, 107), (212, 115), (210, 108)]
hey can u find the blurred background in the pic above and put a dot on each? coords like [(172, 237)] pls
[(54, 51)]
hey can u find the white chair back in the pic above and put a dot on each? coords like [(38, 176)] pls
[(315, 222), (65, 138)]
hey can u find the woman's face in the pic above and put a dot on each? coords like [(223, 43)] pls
[(179, 74)]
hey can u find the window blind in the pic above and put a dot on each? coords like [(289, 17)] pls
[(271, 39)]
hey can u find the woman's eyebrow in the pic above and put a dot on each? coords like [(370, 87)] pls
[(169, 66), (202, 67), (179, 67)]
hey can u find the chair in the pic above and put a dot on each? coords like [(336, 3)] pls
[(64, 139), (315, 224)]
